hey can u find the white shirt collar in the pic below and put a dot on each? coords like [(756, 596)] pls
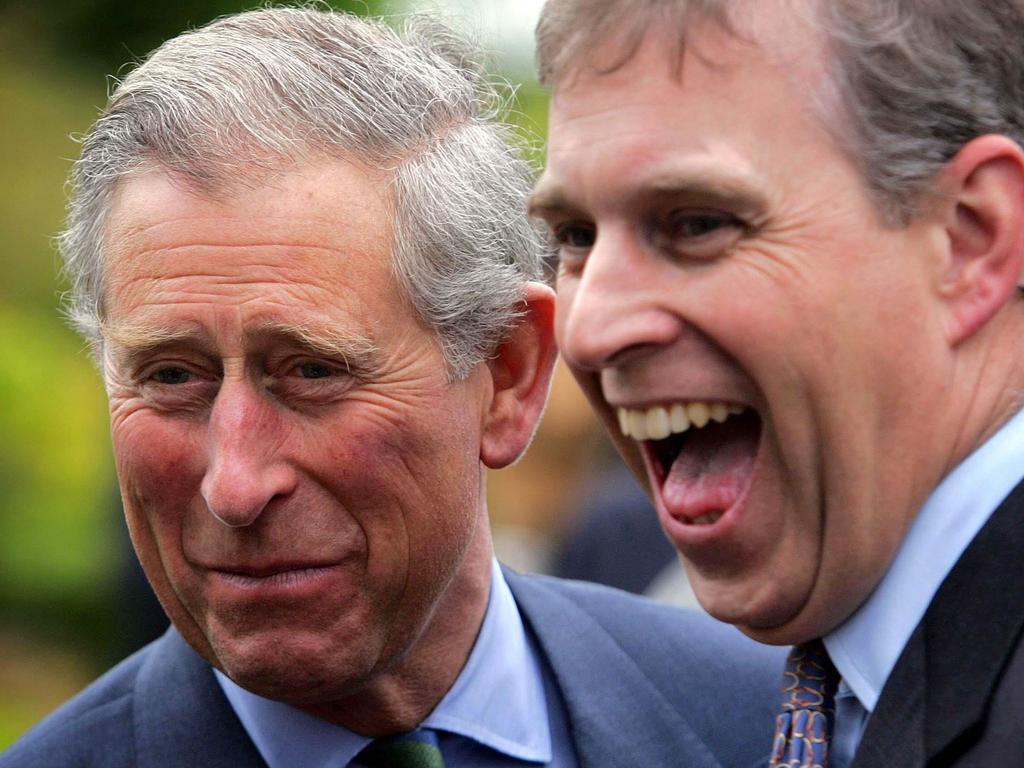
[(866, 647), (497, 700)]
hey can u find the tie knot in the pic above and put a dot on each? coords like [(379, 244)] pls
[(811, 678), (415, 749), (804, 727)]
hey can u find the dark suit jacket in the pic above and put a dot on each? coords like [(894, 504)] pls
[(643, 685), (956, 695)]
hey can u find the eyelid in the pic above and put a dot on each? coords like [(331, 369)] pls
[(695, 212)]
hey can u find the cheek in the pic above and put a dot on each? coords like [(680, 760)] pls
[(160, 468), (411, 476)]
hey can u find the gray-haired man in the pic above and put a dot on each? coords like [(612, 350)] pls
[(300, 250), (791, 234)]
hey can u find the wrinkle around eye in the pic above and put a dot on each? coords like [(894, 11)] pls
[(175, 386)]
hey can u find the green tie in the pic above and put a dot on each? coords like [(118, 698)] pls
[(416, 749)]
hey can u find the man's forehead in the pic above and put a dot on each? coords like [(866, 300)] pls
[(319, 192), (671, 115), (786, 31), (615, 31)]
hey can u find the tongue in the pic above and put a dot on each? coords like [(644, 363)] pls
[(712, 469)]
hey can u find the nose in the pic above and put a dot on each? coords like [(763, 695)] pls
[(617, 308), (246, 468)]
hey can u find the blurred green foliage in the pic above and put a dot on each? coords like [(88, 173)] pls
[(53, 455)]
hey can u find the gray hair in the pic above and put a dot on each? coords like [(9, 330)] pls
[(259, 91), (908, 82)]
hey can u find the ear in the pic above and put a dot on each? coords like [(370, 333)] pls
[(521, 372), (983, 201)]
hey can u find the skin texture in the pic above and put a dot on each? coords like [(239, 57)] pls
[(302, 482), (716, 245)]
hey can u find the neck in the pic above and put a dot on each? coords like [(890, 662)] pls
[(988, 381)]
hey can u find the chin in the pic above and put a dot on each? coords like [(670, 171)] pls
[(763, 614), (788, 627), (297, 668)]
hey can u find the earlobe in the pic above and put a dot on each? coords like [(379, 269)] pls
[(521, 373), (984, 186)]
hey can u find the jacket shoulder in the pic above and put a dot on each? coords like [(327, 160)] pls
[(643, 627), (94, 728), (606, 645)]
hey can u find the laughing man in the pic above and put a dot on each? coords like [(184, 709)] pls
[(790, 237)]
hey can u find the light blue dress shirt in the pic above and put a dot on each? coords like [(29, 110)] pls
[(866, 647), (498, 708)]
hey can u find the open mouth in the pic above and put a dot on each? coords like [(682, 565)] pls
[(701, 454)]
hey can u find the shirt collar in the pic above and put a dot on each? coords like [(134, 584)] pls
[(497, 700), (866, 647)]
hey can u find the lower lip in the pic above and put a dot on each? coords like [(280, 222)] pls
[(287, 582), (686, 535)]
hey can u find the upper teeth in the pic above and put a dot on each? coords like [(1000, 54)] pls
[(659, 422)]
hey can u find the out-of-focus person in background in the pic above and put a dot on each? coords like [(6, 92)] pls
[(791, 236), (300, 254)]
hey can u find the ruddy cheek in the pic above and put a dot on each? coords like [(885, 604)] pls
[(159, 468)]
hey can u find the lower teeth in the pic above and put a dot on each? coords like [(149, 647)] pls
[(709, 519)]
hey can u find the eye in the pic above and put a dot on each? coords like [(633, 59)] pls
[(312, 370), (699, 233), (178, 388), (304, 382), (572, 242), (171, 375), (700, 224), (575, 235)]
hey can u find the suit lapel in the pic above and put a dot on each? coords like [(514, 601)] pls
[(181, 714), (958, 652), (972, 629), (617, 717), (895, 731)]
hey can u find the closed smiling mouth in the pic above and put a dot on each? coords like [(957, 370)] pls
[(701, 454), (281, 575)]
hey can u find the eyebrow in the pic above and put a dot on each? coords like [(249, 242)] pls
[(694, 181), (135, 341), (357, 350)]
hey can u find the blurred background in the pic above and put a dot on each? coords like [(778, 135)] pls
[(72, 600)]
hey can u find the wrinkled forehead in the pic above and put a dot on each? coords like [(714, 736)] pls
[(324, 199), (316, 239)]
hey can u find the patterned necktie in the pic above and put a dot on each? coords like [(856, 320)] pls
[(415, 749), (804, 727)]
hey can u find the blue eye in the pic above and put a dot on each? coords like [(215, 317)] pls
[(172, 376)]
